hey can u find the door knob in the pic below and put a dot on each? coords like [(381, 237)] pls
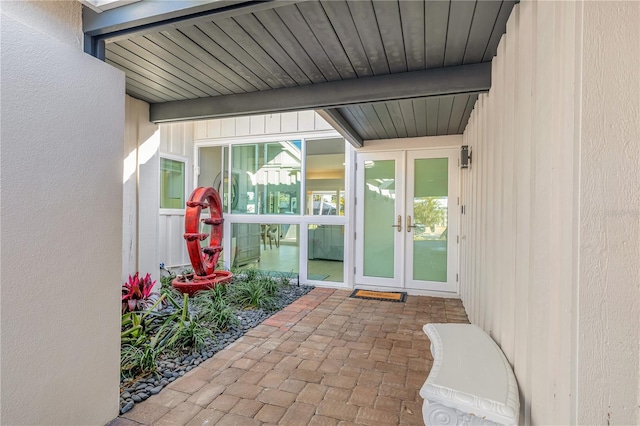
[(399, 225)]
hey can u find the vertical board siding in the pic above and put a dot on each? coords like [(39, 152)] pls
[(173, 251), (243, 126), (523, 146), (563, 204), (228, 127), (272, 124), (177, 139), (608, 375), (508, 190), (516, 266), (140, 191), (306, 120), (257, 126), (289, 122), (269, 124)]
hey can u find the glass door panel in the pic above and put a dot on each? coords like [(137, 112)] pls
[(430, 201), (431, 259), (379, 203), (379, 233)]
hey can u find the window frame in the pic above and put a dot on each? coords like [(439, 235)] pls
[(301, 219)]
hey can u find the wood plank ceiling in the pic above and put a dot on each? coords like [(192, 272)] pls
[(312, 42)]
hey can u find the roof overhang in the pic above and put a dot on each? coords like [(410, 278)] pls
[(373, 69)]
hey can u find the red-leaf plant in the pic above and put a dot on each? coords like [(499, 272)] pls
[(137, 293)]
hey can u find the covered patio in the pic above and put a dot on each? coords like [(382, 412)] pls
[(544, 94), (323, 360)]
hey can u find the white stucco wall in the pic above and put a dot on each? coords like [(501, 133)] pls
[(549, 248), (60, 232), (60, 19)]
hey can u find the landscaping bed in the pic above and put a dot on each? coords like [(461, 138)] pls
[(166, 335)]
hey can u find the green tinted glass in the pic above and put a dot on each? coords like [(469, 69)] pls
[(379, 205), (430, 207)]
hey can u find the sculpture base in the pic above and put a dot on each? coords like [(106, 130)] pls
[(191, 284)]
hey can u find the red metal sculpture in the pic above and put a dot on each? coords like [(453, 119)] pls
[(203, 259)]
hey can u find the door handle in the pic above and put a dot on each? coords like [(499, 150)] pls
[(409, 224), (399, 225)]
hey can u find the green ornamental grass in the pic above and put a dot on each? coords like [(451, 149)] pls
[(173, 324)]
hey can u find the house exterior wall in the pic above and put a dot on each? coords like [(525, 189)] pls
[(549, 247), (448, 141), (140, 192), (608, 303), (269, 124), (145, 243), (60, 235), (176, 141), (59, 19)]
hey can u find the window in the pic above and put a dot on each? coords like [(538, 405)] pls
[(288, 206), (268, 247), (268, 177), (325, 177), (171, 184), (325, 253), (213, 165)]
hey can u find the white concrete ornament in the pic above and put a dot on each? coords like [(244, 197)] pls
[(471, 382)]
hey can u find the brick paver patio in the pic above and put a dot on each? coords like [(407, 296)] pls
[(326, 359)]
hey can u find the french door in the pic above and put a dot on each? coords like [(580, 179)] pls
[(407, 220)]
